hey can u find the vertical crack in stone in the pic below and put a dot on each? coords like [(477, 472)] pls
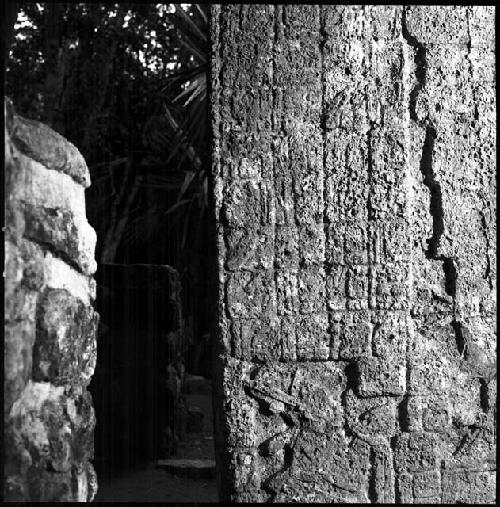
[(437, 213), (436, 201), (460, 339), (420, 59), (450, 276), (484, 401), (351, 374), (427, 170)]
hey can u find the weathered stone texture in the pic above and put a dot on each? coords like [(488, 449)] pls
[(354, 170), (50, 325)]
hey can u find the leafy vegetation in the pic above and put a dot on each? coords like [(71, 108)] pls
[(126, 83)]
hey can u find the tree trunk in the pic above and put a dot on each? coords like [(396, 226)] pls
[(120, 215), (354, 164)]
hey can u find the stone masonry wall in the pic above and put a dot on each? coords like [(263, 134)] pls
[(50, 325), (354, 165)]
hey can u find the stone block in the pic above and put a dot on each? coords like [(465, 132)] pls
[(391, 334), (404, 488), (386, 98), (439, 25), (246, 162), (40, 426), (390, 241), (348, 243), (355, 248), (347, 185), (433, 361), (388, 187), (430, 297), (20, 304), (309, 203), (318, 388), (311, 287), (287, 292), (245, 469), (344, 22), (24, 275), (287, 247), (345, 85), (335, 251), (58, 274), (427, 484), (68, 234), (482, 25), (251, 294), (249, 203), (469, 487), (312, 388), (336, 287), (64, 351), (412, 414), (311, 245), (371, 416), (18, 342), (357, 287), (46, 146), (250, 249), (416, 452), (449, 95), (379, 377), (42, 188), (327, 468), (351, 334), (254, 338), (312, 337), (436, 413), (391, 286), (47, 486)]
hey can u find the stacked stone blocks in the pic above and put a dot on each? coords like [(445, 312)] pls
[(50, 324)]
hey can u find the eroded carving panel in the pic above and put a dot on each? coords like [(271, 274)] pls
[(354, 184)]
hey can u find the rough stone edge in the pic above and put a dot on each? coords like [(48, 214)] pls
[(41, 143)]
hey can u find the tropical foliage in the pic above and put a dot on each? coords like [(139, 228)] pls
[(127, 84)]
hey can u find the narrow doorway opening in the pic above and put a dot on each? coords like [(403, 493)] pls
[(127, 85)]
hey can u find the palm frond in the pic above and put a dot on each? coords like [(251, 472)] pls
[(181, 13)]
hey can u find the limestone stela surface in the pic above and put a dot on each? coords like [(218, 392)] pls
[(354, 166)]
